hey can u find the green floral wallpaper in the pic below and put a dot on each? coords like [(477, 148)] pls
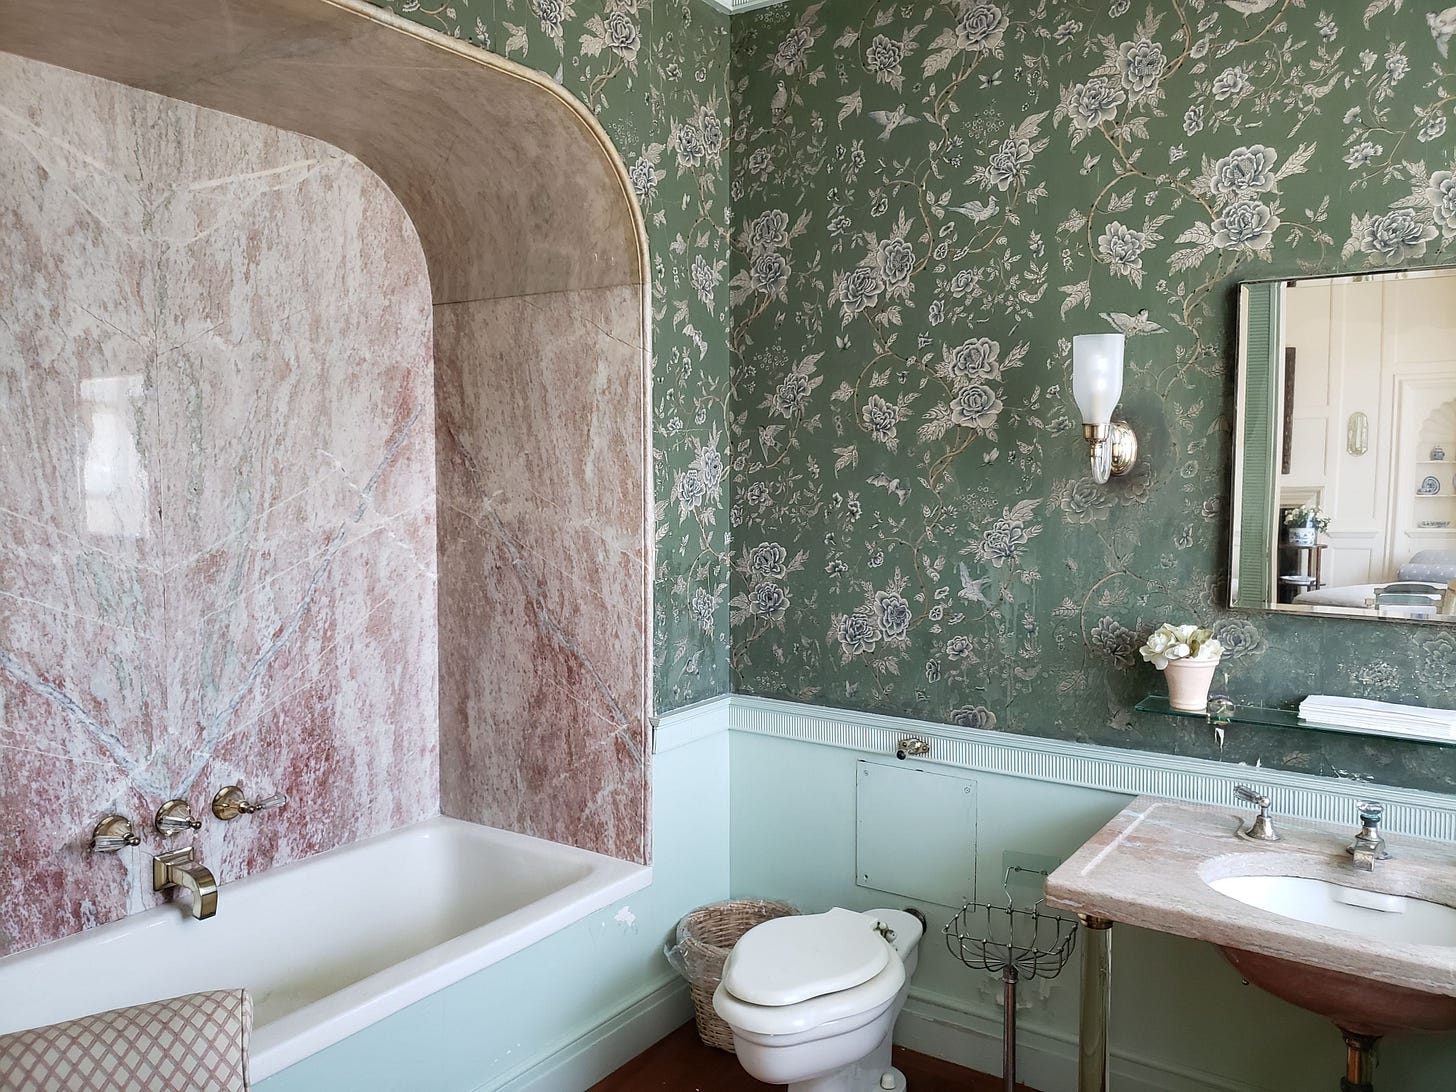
[(929, 199), (655, 74)]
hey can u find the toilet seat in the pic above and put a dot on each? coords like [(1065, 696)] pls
[(792, 959), (864, 1002)]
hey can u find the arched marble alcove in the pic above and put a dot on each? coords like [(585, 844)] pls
[(537, 261)]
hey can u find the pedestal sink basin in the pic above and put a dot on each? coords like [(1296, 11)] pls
[(1357, 1005), (1377, 917)]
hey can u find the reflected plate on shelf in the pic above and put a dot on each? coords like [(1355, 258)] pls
[(1430, 486)]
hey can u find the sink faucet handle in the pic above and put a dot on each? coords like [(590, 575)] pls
[(1368, 846), (113, 833), (1262, 827), (174, 817), (1371, 812), (1243, 792), (230, 802)]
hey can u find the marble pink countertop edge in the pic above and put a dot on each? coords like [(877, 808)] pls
[(1148, 867)]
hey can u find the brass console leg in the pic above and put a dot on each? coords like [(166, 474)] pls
[(1096, 1001), (1359, 1062)]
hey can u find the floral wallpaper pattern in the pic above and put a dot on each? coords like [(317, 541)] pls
[(929, 199), (655, 74)]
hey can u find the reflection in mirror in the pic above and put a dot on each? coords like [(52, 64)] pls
[(1345, 448)]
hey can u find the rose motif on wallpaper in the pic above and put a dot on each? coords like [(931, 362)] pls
[(790, 397), (552, 13), (860, 288), (1245, 225), (1112, 639), (975, 406), (1242, 173), (1441, 195), (973, 361), (1390, 238), (1240, 638), (1088, 105), (1007, 538), (645, 175), (1437, 664), (768, 561), (768, 601), (973, 716), (1142, 64)]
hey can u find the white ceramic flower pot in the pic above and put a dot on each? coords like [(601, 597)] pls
[(1188, 683), (1302, 536)]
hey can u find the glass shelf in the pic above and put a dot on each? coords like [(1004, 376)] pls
[(1221, 713)]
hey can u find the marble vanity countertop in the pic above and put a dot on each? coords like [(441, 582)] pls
[(1150, 864)]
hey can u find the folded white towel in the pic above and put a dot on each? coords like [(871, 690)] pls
[(1379, 716)]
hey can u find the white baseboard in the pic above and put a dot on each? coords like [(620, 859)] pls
[(931, 1023), (583, 1061), (946, 1028)]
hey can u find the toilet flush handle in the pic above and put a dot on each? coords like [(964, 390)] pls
[(912, 745)]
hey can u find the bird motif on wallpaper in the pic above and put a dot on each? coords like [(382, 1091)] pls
[(978, 212), (1132, 325), (891, 485), (973, 591), (1249, 7), (1443, 26), (892, 120)]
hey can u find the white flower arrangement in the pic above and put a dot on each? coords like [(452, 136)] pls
[(1308, 515), (1170, 642)]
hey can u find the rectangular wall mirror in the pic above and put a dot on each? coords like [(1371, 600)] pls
[(1344, 497)]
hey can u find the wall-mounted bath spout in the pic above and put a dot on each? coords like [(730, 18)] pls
[(178, 869)]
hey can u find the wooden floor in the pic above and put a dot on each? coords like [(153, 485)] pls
[(681, 1063)]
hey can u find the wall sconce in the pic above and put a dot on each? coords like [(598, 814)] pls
[(1097, 386)]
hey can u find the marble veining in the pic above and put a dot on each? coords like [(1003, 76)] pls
[(543, 521), (1150, 867), (218, 527)]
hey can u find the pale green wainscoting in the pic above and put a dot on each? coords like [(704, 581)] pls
[(769, 808), (1182, 1020), (575, 1006)]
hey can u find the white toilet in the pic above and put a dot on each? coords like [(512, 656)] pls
[(812, 1000)]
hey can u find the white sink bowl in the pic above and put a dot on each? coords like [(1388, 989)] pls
[(1377, 917)]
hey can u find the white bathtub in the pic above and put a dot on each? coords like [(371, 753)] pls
[(328, 945)]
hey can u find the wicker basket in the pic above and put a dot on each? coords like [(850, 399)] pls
[(704, 938)]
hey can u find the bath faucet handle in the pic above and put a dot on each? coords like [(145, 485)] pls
[(230, 802), (1262, 827), (174, 817), (1369, 845), (113, 833)]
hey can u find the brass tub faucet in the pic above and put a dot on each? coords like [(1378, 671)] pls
[(178, 868)]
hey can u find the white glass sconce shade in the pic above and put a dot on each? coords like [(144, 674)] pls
[(1097, 375), (1097, 388)]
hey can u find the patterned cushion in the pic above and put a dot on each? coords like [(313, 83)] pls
[(184, 1044), (1432, 566)]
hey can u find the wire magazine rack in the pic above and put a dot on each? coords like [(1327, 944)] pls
[(1015, 943)]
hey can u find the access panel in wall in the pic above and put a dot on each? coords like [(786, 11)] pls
[(915, 833)]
